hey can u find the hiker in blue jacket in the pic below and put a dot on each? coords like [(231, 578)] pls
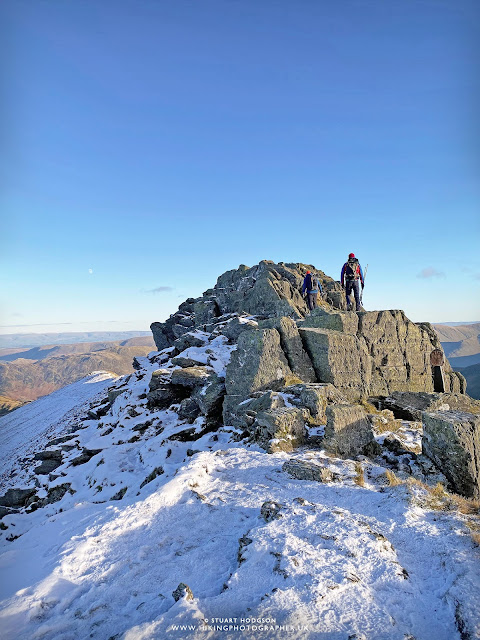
[(351, 278), (311, 285)]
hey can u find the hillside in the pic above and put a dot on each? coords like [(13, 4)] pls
[(28, 374), (240, 484), (472, 376), (461, 343)]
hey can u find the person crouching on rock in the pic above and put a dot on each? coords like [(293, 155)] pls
[(311, 287), (351, 277)]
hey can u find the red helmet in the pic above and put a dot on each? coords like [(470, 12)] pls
[(308, 272), (351, 255)]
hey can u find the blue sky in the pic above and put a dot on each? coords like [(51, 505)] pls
[(152, 145)]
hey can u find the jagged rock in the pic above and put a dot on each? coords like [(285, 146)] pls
[(188, 340), (16, 498), (182, 591), (53, 454), (339, 358), (243, 414), (451, 439), (243, 542), (114, 393), (292, 347), (345, 322), (192, 377), (395, 445), (302, 470), (185, 363), (188, 410), (384, 421), (257, 364), (48, 465), (315, 397), (210, 398), (267, 289), (120, 493), (410, 406), (281, 429), (99, 411), (85, 456), (237, 325), (162, 393), (348, 430), (271, 510), (56, 493)]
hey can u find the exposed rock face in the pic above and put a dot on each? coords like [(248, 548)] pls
[(301, 470), (452, 440), (257, 364), (373, 352), (290, 369), (410, 405), (267, 289), (348, 430)]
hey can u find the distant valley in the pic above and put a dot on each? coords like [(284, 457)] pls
[(28, 373), (462, 348)]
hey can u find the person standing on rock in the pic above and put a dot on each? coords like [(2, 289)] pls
[(311, 286), (351, 277)]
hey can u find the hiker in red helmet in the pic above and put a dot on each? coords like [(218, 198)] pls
[(351, 277)]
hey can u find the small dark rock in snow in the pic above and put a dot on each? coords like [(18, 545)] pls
[(182, 591)]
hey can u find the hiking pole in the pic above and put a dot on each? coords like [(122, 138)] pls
[(364, 276)]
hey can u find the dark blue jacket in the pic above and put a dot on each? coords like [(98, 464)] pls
[(307, 284)]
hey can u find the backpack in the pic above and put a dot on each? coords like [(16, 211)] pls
[(352, 269), (313, 283)]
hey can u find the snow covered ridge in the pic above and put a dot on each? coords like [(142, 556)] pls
[(146, 517)]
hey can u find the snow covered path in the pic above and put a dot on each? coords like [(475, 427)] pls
[(341, 560)]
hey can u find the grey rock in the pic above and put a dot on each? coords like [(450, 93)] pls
[(205, 311), (47, 466), (410, 405), (49, 454), (120, 493), (315, 397), (16, 498), (257, 364), (188, 340), (340, 359), (56, 493), (210, 398), (302, 470), (292, 346), (271, 510), (185, 363), (182, 591), (114, 393), (234, 327), (188, 410), (192, 377), (158, 471), (85, 456), (451, 439), (348, 430), (345, 322), (281, 429)]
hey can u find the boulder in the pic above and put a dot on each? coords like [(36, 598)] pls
[(185, 363), (257, 364), (320, 318), (16, 498), (339, 358), (188, 410), (210, 398), (302, 470), (451, 439), (237, 325), (192, 377), (280, 429), (161, 392), (292, 346), (348, 431), (189, 340), (315, 397)]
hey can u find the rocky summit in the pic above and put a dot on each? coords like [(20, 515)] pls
[(290, 369), (317, 470)]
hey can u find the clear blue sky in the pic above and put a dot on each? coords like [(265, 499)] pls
[(152, 145)]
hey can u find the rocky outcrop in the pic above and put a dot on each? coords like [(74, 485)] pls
[(451, 439), (265, 290), (348, 432), (409, 405)]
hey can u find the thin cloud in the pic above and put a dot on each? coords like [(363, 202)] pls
[(159, 290), (38, 324), (430, 272)]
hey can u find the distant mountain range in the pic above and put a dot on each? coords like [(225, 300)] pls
[(462, 348), (24, 340), (27, 374)]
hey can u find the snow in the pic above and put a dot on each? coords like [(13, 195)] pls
[(341, 560)]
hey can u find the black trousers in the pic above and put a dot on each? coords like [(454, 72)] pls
[(353, 285)]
